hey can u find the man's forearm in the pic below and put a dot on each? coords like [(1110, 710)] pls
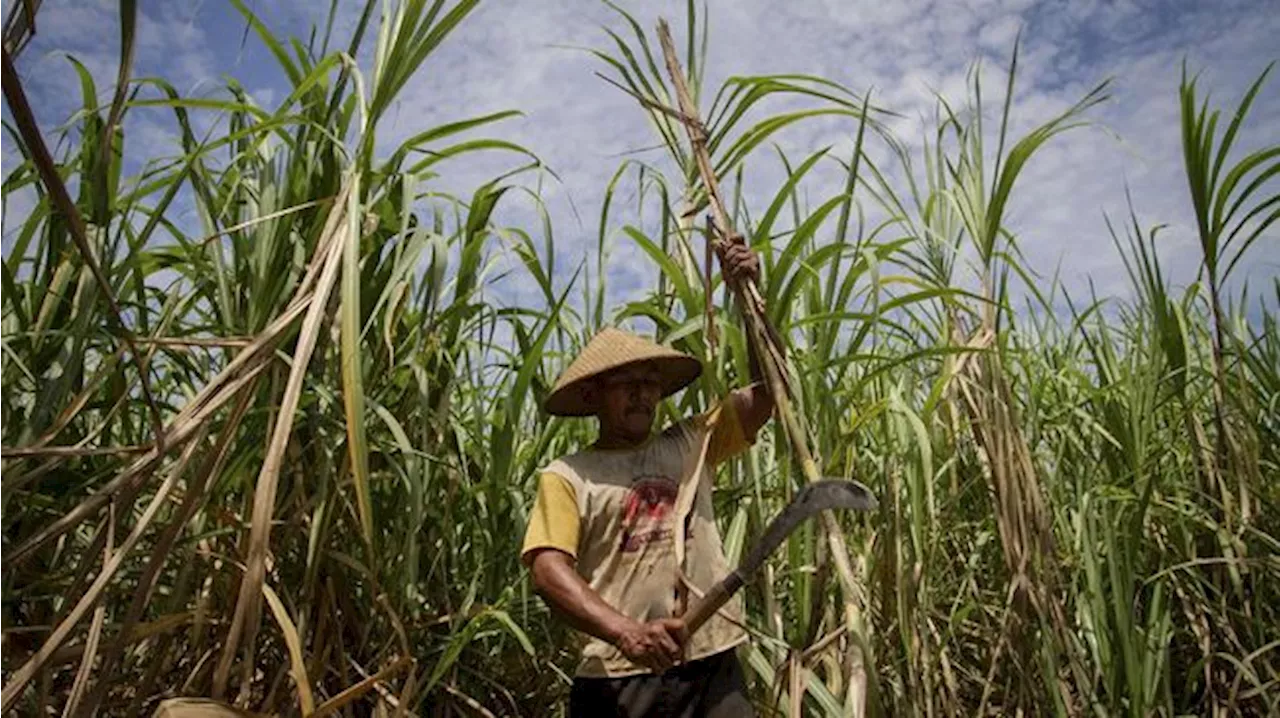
[(561, 586), (753, 364), (654, 644), (740, 264)]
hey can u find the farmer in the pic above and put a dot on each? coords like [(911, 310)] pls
[(601, 539)]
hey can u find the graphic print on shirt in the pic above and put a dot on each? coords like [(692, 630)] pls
[(646, 509)]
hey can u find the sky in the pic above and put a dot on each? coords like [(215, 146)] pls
[(527, 56)]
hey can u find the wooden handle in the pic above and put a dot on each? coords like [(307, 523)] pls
[(706, 607)]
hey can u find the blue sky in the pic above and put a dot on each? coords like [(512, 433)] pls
[(512, 55)]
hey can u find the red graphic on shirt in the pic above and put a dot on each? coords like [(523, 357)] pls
[(644, 521)]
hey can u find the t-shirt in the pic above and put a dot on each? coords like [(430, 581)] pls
[(614, 511)]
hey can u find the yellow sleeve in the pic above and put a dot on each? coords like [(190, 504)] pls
[(727, 439), (554, 521)]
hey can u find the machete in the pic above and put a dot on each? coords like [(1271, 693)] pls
[(812, 499)]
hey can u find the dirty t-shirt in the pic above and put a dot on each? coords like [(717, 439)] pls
[(614, 511)]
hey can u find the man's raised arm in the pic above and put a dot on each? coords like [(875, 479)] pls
[(754, 403)]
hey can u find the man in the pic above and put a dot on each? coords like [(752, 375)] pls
[(602, 538)]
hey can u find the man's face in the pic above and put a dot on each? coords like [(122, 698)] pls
[(628, 398)]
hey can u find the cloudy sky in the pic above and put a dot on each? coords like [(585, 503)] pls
[(520, 55)]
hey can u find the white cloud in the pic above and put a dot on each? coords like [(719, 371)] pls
[(506, 56), (998, 35)]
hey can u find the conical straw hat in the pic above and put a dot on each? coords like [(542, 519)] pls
[(610, 349)]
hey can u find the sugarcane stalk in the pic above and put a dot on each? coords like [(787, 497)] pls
[(767, 344)]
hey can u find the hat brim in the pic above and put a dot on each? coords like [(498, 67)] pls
[(675, 373)]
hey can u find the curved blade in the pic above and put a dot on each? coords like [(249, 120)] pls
[(813, 498)]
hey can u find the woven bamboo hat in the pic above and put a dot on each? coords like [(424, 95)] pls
[(611, 349)]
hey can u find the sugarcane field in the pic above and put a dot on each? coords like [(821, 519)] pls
[(617, 358)]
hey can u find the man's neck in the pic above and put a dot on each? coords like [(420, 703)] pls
[(619, 440)]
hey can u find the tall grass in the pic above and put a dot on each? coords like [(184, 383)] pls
[(311, 401)]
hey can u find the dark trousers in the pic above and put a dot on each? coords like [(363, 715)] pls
[(711, 687)]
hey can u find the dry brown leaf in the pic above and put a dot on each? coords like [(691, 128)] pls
[(298, 667), (23, 675), (248, 611)]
